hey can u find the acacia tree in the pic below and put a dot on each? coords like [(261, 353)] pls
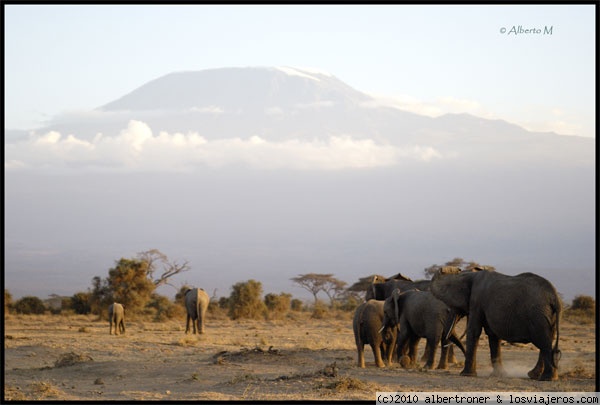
[(315, 282)]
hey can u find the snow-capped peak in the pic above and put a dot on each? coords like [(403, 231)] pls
[(301, 72)]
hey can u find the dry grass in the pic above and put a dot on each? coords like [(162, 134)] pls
[(296, 358)]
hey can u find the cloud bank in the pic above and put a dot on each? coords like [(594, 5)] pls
[(137, 148)]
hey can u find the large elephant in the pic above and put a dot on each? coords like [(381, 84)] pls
[(418, 314), (196, 304), (524, 308), (116, 317), (367, 323)]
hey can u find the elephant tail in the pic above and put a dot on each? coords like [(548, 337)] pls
[(556, 353), (198, 306)]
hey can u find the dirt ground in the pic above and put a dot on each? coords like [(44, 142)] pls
[(74, 358)]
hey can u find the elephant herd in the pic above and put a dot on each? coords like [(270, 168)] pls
[(398, 312), (196, 304)]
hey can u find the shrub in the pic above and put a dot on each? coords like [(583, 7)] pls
[(320, 310), (582, 310), (81, 303), (245, 300), (584, 302), (162, 309), (30, 305), (297, 305), (7, 301), (278, 305)]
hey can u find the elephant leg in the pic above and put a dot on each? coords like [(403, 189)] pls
[(390, 351), (424, 355), (412, 350), (451, 357), (200, 324), (473, 333), (361, 355), (496, 356), (377, 354), (430, 350), (550, 372), (536, 371), (401, 350), (443, 364), (187, 324), (111, 328)]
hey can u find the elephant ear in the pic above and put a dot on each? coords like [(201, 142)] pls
[(454, 290)]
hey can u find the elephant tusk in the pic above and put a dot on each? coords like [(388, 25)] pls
[(381, 330)]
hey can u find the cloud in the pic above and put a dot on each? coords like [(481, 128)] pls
[(434, 108), (137, 148)]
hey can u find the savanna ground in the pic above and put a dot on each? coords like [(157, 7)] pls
[(73, 357)]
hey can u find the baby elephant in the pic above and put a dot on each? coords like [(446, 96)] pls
[(367, 324), (418, 314), (116, 317)]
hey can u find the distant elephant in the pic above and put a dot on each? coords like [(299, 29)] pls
[(116, 317), (519, 309), (367, 324), (196, 304), (418, 314)]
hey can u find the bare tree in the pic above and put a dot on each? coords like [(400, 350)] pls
[(159, 262)]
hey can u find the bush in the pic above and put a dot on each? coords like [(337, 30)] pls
[(7, 301), (245, 302), (30, 305), (584, 302), (278, 305), (81, 303), (162, 309), (582, 310), (297, 305), (320, 310)]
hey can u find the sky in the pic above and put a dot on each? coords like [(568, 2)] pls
[(339, 205), (532, 65)]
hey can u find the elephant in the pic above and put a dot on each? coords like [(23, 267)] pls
[(382, 289), (116, 317), (518, 309), (367, 325), (196, 304), (418, 314)]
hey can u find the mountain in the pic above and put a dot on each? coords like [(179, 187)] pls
[(238, 89), (282, 103)]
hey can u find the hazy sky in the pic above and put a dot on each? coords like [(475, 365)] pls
[(427, 59), (351, 206)]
